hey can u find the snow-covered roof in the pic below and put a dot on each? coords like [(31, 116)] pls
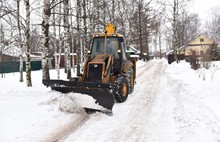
[(171, 51), (132, 49), (64, 54), (13, 51)]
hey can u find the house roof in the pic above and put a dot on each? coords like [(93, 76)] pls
[(196, 41), (132, 49), (11, 51), (171, 51), (14, 51)]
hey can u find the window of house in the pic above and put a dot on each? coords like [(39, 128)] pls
[(201, 39)]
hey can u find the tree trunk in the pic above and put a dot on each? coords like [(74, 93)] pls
[(66, 38), (56, 43), (27, 34), (113, 11), (45, 30), (20, 41), (1, 49), (140, 28), (175, 34), (85, 45), (78, 50), (160, 44)]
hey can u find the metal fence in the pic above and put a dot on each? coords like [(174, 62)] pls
[(8, 67)]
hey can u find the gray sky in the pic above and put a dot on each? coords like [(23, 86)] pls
[(204, 7)]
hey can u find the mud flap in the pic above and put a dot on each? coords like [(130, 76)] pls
[(101, 92)]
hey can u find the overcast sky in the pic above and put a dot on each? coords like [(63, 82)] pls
[(204, 7)]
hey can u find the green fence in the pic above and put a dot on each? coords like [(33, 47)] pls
[(7, 67)]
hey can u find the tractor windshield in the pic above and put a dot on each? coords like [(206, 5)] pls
[(112, 46)]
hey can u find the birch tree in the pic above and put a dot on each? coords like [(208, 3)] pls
[(59, 45), (66, 38), (20, 41), (85, 41), (177, 7), (175, 32), (27, 34), (1, 48), (45, 31), (78, 23)]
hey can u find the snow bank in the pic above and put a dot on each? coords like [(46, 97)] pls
[(34, 113), (198, 101)]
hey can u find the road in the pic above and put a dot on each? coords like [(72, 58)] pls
[(130, 119), (161, 109)]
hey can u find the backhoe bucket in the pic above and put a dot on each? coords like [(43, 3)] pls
[(101, 92)]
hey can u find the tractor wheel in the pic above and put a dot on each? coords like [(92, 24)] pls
[(121, 89), (130, 78)]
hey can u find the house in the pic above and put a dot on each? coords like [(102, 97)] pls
[(199, 46), (73, 60), (9, 60), (196, 48), (133, 52), (8, 53)]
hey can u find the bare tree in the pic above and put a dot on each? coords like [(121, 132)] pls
[(175, 9), (174, 27), (58, 44), (2, 47), (78, 22), (141, 23), (188, 27), (45, 31), (212, 27), (20, 41), (27, 34), (66, 38)]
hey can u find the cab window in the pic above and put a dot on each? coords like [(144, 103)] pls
[(112, 46)]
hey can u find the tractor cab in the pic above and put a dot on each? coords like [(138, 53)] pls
[(112, 46), (109, 43)]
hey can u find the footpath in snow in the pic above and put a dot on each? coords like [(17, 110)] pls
[(170, 103)]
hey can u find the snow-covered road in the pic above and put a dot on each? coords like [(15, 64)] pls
[(162, 108), (130, 119), (170, 103)]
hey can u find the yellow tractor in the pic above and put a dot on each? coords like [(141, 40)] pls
[(108, 74)]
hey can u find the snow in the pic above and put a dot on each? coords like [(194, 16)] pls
[(11, 51), (170, 103)]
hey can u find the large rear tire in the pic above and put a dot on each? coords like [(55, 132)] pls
[(130, 78), (121, 89)]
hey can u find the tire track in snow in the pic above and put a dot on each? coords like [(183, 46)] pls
[(69, 128), (136, 123), (67, 104), (159, 109), (129, 118)]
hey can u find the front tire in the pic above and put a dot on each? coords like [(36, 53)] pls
[(121, 89)]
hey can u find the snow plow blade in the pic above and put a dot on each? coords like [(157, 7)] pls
[(101, 92)]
